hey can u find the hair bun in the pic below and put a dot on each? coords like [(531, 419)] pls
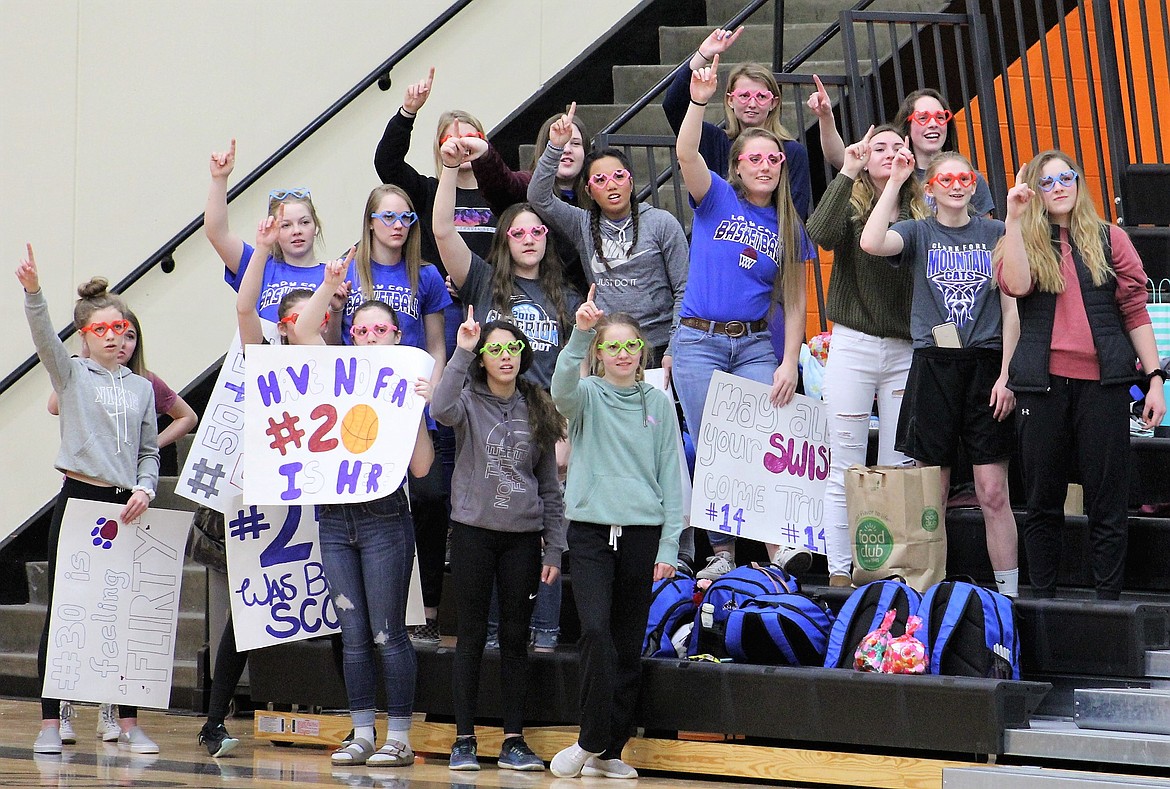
[(94, 288)]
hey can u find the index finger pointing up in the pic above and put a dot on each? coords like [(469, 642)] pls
[(430, 77), (572, 111), (470, 313), (1020, 177), (592, 288), (820, 85)]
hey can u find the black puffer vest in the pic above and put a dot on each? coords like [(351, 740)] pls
[(1028, 371)]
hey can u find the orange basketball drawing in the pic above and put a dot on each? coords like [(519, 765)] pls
[(359, 428)]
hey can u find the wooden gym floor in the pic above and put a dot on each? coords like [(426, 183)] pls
[(183, 763)]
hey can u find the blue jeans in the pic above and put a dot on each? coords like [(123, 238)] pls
[(698, 354), (368, 551)]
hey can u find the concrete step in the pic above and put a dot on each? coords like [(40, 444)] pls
[(193, 596), (1144, 710), (754, 44), (823, 11), (1158, 663), (1061, 739), (166, 498), (20, 629), (1001, 777), (651, 120)]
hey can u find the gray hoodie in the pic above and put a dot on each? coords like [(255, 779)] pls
[(109, 430), (502, 481), (648, 281)]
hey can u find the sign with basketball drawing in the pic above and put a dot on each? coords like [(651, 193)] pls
[(115, 606), (329, 424)]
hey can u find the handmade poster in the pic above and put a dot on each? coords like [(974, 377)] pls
[(330, 424), (115, 605), (760, 471), (656, 379), (277, 582)]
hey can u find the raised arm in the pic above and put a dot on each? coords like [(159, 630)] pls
[(832, 146), (50, 349), (390, 155), (500, 185), (563, 217), (876, 236), (452, 248), (248, 295), (566, 379), (307, 329), (674, 102), (1015, 274), (447, 404), (829, 225), (694, 169), (227, 244)]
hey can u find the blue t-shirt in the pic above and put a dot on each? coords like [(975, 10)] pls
[(279, 278), (392, 286), (734, 248)]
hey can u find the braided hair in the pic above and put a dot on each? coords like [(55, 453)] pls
[(595, 208)]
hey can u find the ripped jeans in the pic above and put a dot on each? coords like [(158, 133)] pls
[(860, 367), (368, 552)]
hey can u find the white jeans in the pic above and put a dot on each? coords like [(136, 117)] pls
[(860, 367)]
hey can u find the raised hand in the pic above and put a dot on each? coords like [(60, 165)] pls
[(1019, 196), (26, 272), (453, 153), (704, 82), (904, 164), (857, 155), (268, 231), (718, 42), (335, 270), (223, 162), (588, 314), (468, 334), (819, 101), (416, 94), (474, 147), (561, 131)]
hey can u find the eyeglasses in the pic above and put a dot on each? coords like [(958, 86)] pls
[(496, 349), (407, 218), (99, 329), (774, 159), (601, 180), (1048, 182), (359, 330), (630, 346), (947, 180), (283, 194), (536, 231), (445, 137), (292, 317), (744, 96), (941, 117)]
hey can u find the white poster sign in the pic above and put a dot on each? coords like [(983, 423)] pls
[(115, 605), (330, 424), (760, 471), (656, 379), (279, 592)]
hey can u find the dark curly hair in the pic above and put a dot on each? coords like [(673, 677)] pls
[(545, 422)]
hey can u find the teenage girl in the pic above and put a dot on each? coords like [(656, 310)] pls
[(636, 255), (748, 253), (183, 420), (624, 504), (1082, 300), (367, 550), (964, 331), (109, 443), (506, 429), (869, 305), (292, 262)]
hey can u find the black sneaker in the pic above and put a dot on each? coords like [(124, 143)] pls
[(426, 635), (516, 755), (217, 739)]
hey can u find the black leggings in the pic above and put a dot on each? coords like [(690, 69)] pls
[(481, 560), (229, 667), (72, 489)]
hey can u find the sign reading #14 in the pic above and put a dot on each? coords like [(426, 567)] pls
[(760, 471), (329, 424)]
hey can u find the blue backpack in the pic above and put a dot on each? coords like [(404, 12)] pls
[(863, 612), (969, 631), (672, 604), (728, 593), (779, 630)]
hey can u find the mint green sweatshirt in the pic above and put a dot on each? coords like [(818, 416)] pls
[(624, 469)]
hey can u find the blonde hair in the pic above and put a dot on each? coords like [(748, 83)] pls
[(411, 253), (596, 367), (760, 73), (274, 207), (445, 120), (789, 279), (865, 194), (1085, 230)]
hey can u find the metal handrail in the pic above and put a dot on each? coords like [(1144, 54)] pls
[(163, 256)]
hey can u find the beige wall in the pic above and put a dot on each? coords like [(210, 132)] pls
[(109, 109)]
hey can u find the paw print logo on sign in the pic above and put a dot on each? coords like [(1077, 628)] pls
[(104, 533)]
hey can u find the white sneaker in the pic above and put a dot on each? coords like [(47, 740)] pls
[(48, 741), (717, 566), (568, 763), (107, 724), (136, 740), (793, 559), (67, 714), (597, 767)]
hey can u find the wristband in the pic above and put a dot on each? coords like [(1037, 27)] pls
[(1158, 373), (407, 113), (143, 489), (450, 166), (699, 52), (699, 103)]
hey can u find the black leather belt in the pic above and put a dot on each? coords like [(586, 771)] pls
[(730, 328)]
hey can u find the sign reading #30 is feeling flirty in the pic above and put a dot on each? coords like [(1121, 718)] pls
[(329, 424), (115, 605), (760, 471)]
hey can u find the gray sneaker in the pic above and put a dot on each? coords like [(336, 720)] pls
[(67, 714), (793, 559), (48, 740), (718, 566), (136, 740)]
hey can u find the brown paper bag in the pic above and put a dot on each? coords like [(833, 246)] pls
[(896, 524)]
